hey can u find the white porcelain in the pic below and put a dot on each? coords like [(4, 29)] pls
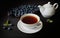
[(48, 10), (30, 26), (24, 29)]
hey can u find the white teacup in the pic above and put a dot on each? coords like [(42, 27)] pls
[(30, 25)]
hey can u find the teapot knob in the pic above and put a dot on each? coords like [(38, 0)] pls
[(55, 5), (48, 2)]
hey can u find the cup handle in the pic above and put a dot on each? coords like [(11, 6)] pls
[(40, 23), (55, 5)]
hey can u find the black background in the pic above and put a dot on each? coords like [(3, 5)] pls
[(48, 30)]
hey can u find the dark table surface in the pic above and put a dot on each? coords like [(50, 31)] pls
[(48, 30)]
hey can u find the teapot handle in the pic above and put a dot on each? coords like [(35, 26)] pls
[(55, 5)]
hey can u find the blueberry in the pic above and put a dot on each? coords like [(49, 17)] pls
[(35, 5), (18, 13), (15, 13), (4, 27), (24, 10), (31, 8), (29, 5), (29, 11), (10, 13), (19, 7), (21, 13), (8, 28), (16, 8)]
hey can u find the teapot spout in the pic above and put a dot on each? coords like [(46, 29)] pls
[(39, 6), (41, 9)]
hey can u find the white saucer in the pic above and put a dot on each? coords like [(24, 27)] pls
[(27, 30)]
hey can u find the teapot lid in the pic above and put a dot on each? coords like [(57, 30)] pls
[(47, 5)]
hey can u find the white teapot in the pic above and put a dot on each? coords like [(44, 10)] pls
[(48, 10)]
